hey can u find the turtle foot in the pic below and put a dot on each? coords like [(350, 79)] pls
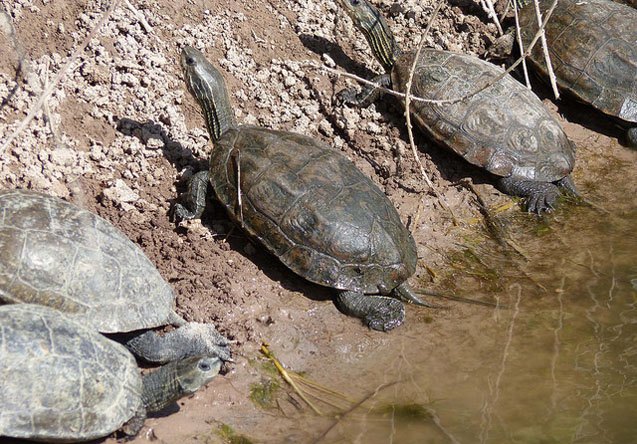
[(539, 196), (631, 137), (192, 339), (366, 96), (381, 313), (195, 198)]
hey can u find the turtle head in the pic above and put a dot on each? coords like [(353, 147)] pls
[(373, 25), (208, 87), (195, 372)]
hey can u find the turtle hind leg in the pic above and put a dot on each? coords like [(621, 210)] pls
[(377, 312), (631, 137), (539, 196), (191, 339), (366, 96), (195, 198)]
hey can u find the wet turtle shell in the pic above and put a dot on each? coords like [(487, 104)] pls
[(312, 208), (593, 50), (59, 255), (61, 381), (504, 129)]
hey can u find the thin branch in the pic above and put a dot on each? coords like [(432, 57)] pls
[(518, 36), (414, 150), (488, 7), (58, 78), (545, 48)]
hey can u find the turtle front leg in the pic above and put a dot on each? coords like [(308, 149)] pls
[(631, 137), (192, 339), (366, 96), (195, 197), (539, 196), (132, 427), (378, 312)]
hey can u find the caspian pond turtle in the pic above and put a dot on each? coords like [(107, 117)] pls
[(306, 203), (592, 46), (59, 255), (62, 381), (504, 128)]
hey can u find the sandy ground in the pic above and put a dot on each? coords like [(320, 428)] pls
[(120, 136)]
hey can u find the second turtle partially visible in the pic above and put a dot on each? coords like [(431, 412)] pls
[(306, 203), (504, 128), (59, 255)]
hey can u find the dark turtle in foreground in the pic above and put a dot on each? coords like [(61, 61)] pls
[(61, 381), (307, 203), (56, 254), (504, 129), (593, 49)]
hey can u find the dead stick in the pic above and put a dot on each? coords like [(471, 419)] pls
[(408, 115), (57, 79)]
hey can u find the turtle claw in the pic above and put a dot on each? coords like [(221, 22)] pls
[(406, 294)]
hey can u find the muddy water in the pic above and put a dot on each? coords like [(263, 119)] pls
[(559, 365)]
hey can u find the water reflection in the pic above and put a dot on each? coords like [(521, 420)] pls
[(559, 366)]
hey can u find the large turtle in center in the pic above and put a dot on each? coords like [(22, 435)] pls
[(504, 128), (306, 203)]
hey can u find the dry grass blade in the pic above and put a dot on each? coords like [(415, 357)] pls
[(6, 26), (408, 115), (285, 375), (58, 78)]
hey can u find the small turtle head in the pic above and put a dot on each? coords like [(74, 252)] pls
[(195, 372), (373, 25), (208, 87)]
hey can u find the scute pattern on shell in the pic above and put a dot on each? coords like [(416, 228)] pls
[(312, 208), (62, 381), (56, 254), (504, 129), (593, 49)]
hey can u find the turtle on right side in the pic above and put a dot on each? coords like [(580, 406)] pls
[(503, 128), (593, 49)]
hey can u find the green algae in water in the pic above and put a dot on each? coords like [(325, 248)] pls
[(229, 436), (263, 393), (407, 412)]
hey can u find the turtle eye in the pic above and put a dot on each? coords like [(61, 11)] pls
[(204, 366), (355, 2), (190, 60)]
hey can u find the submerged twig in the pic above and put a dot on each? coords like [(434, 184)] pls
[(488, 406), (496, 229), (340, 417)]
